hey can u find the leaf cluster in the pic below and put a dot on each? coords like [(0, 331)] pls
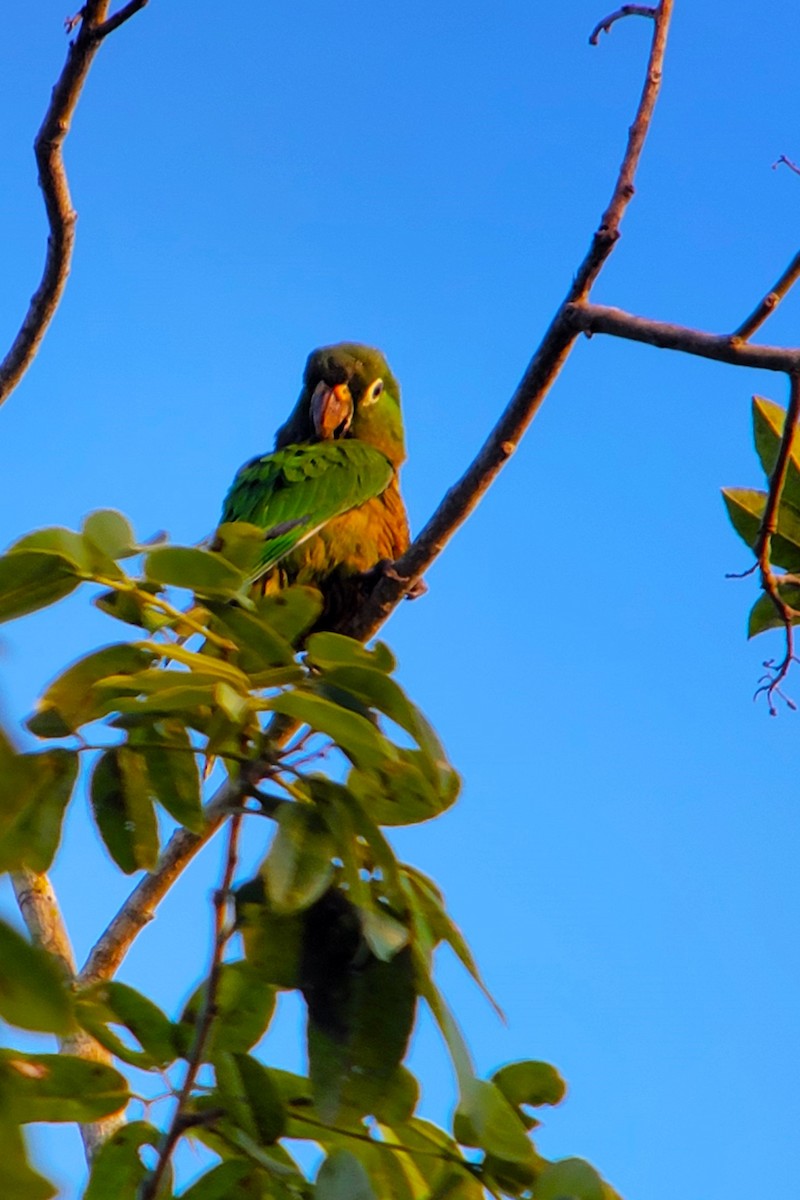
[(312, 732)]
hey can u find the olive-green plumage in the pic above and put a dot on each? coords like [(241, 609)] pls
[(327, 497)]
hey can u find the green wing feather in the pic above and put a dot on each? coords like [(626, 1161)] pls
[(293, 492)]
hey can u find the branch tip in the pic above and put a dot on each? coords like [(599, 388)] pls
[(627, 10)]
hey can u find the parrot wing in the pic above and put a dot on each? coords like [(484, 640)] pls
[(294, 492)]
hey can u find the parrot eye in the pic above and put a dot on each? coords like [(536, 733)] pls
[(373, 392)]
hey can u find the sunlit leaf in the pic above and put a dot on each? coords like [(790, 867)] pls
[(530, 1083), (291, 611), (746, 510), (111, 532), (571, 1179), (18, 1180), (61, 1087), (357, 737), (259, 645), (200, 571), (764, 615), (768, 422), (485, 1118), (70, 700)]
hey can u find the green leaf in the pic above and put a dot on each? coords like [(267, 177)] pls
[(85, 556), (530, 1082), (117, 1169), (291, 611), (360, 1010), (298, 867), (133, 607), (768, 423), (399, 791), (260, 647), (33, 992), (355, 736), (111, 532), (123, 809), (746, 509), (60, 1087), (243, 1011), (219, 1183), (200, 571), (251, 1098), (34, 792), (764, 615), (71, 699), (32, 579), (173, 774), (335, 650), (571, 1179), (485, 1118), (115, 1002), (272, 941), (18, 1180), (342, 1177)]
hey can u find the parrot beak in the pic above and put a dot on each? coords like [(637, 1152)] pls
[(331, 410)]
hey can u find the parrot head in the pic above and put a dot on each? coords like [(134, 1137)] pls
[(348, 391)]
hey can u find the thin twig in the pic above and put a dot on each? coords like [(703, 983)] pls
[(771, 301), (119, 18), (727, 348), (61, 216), (627, 10), (222, 933), (771, 582), (787, 162)]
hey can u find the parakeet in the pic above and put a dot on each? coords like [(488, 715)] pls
[(328, 497)]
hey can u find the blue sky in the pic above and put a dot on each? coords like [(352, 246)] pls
[(426, 178)]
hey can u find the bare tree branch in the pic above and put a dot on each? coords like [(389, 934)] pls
[(222, 933), (771, 301), (61, 217), (42, 915), (786, 162), (456, 506), (723, 347), (119, 18)]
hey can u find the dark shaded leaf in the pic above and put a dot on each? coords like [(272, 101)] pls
[(60, 1087), (173, 773), (244, 1008), (123, 809), (251, 1098), (34, 792), (220, 1182), (106, 1002), (32, 579), (260, 647), (342, 1177), (272, 941), (298, 867), (33, 992)]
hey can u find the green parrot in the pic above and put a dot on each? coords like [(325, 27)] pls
[(328, 496)]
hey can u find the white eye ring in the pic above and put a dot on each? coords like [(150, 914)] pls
[(373, 392)]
